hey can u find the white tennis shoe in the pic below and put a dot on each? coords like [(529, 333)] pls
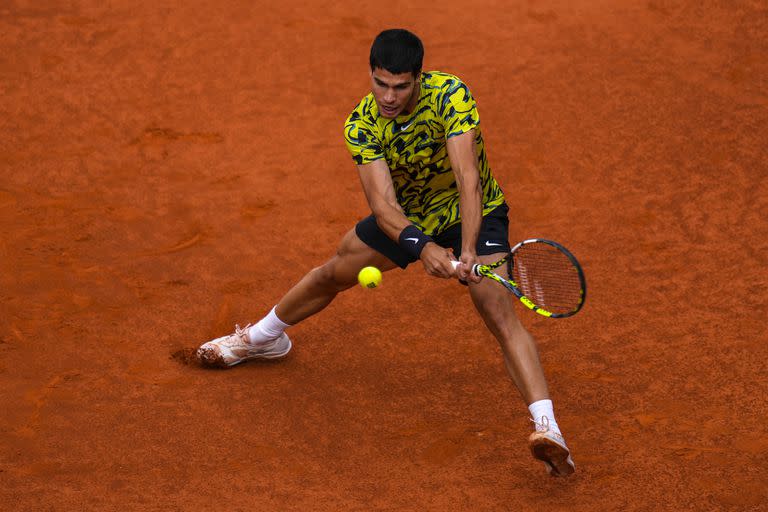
[(549, 447), (236, 348)]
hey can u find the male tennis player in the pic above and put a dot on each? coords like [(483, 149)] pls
[(420, 155)]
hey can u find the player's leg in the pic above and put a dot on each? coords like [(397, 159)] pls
[(319, 287), (267, 339), (364, 246), (496, 307)]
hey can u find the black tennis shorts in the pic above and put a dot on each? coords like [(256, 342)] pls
[(493, 237)]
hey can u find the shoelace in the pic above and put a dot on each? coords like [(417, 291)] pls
[(241, 335), (243, 331), (541, 426)]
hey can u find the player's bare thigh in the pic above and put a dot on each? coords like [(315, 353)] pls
[(352, 255), (493, 301)]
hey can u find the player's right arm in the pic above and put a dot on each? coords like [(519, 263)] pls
[(380, 193)]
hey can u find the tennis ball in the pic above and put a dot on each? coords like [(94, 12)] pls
[(369, 277)]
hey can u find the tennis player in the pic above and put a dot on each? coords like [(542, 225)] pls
[(422, 163)]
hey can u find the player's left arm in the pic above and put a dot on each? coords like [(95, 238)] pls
[(463, 156)]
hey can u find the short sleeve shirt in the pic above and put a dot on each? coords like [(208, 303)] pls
[(414, 147)]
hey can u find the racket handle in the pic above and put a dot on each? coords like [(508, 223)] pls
[(457, 263)]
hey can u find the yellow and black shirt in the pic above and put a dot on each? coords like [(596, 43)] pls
[(414, 146)]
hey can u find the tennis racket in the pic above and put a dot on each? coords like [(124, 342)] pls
[(543, 274)]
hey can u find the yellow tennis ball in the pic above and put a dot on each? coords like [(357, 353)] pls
[(369, 277)]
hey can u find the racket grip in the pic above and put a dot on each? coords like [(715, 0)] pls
[(457, 263)]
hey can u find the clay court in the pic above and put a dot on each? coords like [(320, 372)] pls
[(168, 171)]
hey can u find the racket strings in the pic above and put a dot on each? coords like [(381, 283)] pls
[(547, 277)]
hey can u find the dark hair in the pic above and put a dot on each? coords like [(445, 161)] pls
[(398, 51)]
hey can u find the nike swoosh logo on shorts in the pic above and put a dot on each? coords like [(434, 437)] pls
[(414, 240), (491, 244)]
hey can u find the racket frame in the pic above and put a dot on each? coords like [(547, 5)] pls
[(487, 272)]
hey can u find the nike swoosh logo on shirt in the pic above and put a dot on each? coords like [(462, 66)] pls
[(405, 127)]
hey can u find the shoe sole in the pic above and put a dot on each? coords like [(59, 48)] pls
[(211, 357), (554, 456)]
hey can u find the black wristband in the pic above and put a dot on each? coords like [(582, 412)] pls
[(412, 241)]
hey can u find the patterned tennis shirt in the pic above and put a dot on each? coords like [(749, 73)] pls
[(414, 147)]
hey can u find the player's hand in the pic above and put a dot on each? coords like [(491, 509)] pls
[(464, 271), (437, 261)]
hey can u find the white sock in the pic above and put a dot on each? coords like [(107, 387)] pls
[(541, 409), (267, 329)]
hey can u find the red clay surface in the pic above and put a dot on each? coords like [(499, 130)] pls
[(168, 171)]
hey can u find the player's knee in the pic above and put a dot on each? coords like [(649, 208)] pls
[(329, 277), (497, 311), (323, 275)]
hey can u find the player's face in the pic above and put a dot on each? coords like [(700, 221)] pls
[(394, 94)]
